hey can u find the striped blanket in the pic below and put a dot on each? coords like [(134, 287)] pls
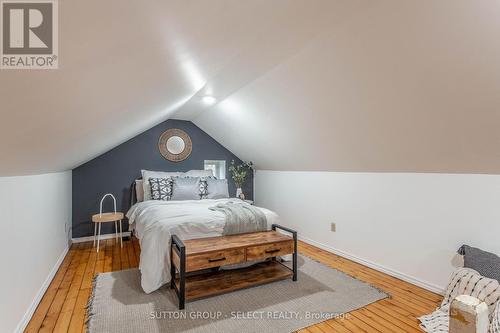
[(465, 281)]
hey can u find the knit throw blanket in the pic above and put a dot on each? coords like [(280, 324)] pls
[(465, 281), (241, 218)]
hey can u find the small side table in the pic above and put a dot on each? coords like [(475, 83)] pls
[(99, 219)]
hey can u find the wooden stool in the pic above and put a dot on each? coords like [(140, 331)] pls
[(101, 218), (98, 219)]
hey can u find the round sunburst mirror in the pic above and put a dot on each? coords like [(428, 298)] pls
[(175, 145)]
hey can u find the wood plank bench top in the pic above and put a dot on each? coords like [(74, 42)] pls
[(220, 243), (107, 217)]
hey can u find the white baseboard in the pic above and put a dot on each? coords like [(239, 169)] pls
[(410, 279), (91, 238), (38, 297)]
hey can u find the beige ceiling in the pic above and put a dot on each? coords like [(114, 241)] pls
[(403, 86), (361, 85)]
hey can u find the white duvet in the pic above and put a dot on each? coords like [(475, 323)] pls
[(156, 221)]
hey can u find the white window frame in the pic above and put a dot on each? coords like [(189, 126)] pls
[(218, 168)]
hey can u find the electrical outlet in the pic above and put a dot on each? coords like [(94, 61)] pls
[(333, 227)]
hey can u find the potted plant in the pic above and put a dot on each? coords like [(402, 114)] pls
[(239, 175)]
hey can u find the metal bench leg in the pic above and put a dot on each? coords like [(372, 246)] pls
[(182, 279), (295, 249), (172, 267), (294, 278), (178, 246)]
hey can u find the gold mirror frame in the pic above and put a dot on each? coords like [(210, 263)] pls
[(162, 145)]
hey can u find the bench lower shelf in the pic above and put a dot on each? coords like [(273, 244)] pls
[(224, 281)]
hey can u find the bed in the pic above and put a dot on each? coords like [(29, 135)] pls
[(155, 221)]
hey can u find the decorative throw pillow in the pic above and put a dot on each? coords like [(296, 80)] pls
[(161, 188), (186, 188), (486, 263), (203, 188), (146, 174), (217, 188)]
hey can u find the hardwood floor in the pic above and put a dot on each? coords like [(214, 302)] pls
[(62, 308)]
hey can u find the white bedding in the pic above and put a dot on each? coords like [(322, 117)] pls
[(156, 221)]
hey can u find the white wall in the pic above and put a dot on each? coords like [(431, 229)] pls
[(410, 224), (34, 210)]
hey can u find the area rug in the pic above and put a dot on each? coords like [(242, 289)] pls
[(118, 304)]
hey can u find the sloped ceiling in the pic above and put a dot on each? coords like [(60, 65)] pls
[(364, 85), (126, 66), (410, 86)]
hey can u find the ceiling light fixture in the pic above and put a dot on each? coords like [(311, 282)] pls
[(209, 100)]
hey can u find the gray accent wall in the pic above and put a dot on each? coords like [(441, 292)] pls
[(115, 170)]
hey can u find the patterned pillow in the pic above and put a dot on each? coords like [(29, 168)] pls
[(161, 188), (486, 263), (204, 186)]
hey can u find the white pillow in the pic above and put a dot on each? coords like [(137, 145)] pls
[(217, 188), (186, 188), (139, 190), (146, 174), (199, 173)]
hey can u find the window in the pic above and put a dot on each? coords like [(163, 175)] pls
[(218, 168)]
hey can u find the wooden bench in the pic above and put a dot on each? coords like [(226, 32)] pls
[(195, 262)]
